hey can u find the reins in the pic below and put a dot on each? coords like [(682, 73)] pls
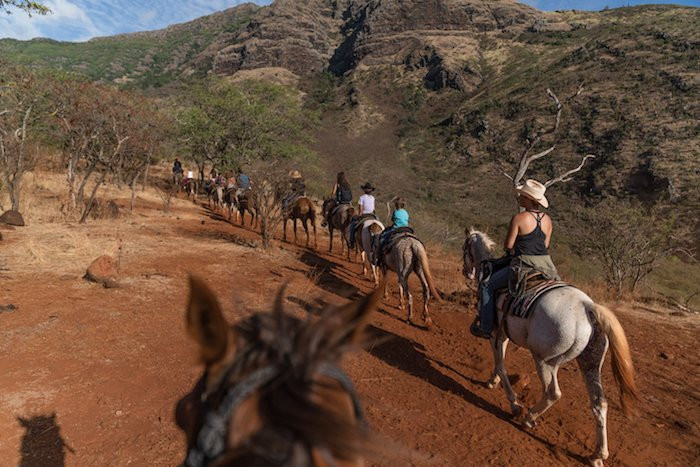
[(212, 437)]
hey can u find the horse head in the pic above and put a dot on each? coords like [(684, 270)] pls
[(272, 392), (476, 248)]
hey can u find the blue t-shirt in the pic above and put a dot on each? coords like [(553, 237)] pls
[(243, 181), (400, 218)]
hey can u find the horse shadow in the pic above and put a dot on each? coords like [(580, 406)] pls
[(411, 358), (329, 275), (42, 443)]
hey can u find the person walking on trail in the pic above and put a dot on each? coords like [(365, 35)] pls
[(399, 220), (526, 245), (365, 209), (342, 194)]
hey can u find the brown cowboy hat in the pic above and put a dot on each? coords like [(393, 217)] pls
[(295, 174), (368, 187)]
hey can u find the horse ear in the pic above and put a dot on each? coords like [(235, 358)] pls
[(206, 323), (467, 231), (351, 320)]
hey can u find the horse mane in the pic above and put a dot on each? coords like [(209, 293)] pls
[(481, 243), (289, 405)]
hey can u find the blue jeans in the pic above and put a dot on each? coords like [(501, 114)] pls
[(487, 294)]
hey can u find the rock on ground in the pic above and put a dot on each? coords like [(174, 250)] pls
[(103, 271), (12, 218)]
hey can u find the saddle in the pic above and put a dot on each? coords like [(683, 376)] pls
[(523, 305), (360, 221), (393, 238), (337, 208)]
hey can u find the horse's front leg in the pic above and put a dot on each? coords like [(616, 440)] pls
[(294, 221), (305, 223), (330, 243), (499, 344), (363, 258)]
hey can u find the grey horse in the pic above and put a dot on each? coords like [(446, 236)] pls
[(408, 255), (565, 324)]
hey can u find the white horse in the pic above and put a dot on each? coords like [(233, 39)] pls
[(565, 324), (363, 241)]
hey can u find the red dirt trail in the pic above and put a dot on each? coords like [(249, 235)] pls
[(90, 376)]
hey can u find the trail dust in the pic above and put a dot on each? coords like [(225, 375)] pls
[(106, 366)]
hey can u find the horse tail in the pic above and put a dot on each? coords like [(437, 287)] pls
[(419, 250), (623, 369)]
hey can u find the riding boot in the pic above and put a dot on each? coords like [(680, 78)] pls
[(476, 330)]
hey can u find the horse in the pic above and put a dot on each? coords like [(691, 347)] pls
[(248, 203), (369, 229), (216, 194), (191, 188), (272, 391), (177, 180), (230, 200), (303, 209), (405, 256), (338, 219), (565, 324)]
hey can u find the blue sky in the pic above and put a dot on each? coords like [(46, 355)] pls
[(79, 20)]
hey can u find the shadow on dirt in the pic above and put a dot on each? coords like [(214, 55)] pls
[(329, 275), (42, 443), (217, 235), (411, 357)]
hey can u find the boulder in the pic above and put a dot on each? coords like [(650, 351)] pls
[(103, 271), (12, 218)]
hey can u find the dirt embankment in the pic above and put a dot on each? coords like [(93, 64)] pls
[(91, 375)]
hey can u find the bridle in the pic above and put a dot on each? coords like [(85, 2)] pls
[(211, 439)]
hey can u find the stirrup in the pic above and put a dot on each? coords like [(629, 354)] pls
[(476, 330)]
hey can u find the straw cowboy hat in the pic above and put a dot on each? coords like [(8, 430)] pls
[(534, 190), (367, 187), (294, 174)]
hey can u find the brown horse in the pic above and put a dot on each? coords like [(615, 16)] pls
[(302, 209), (191, 188), (248, 203), (338, 217), (272, 392)]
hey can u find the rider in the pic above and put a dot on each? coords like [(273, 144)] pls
[(527, 244), (177, 167), (243, 182), (365, 208), (399, 219), (297, 188), (342, 194)]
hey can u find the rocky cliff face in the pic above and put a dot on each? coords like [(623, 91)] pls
[(436, 39)]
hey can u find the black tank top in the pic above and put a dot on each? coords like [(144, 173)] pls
[(532, 243)]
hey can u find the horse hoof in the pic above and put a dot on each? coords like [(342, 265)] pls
[(428, 322), (596, 462), (529, 423), (516, 410)]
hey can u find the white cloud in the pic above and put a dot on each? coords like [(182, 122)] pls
[(79, 20)]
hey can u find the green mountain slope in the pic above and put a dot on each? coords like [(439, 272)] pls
[(148, 59)]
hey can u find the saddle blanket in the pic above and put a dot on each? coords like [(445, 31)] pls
[(522, 306), (396, 236)]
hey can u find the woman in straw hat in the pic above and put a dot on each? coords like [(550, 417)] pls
[(526, 244)]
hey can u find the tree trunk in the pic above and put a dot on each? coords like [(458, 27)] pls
[(133, 190), (88, 208), (145, 173)]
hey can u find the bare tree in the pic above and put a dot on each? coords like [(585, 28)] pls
[(272, 185), (22, 104), (629, 241), (531, 141)]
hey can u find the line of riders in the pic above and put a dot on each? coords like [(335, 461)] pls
[(556, 322), (526, 244)]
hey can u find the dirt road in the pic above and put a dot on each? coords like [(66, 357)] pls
[(90, 376)]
